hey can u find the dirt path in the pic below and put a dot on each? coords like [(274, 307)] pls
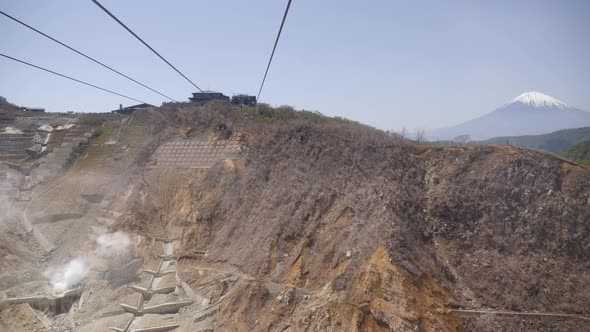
[(234, 272), (517, 313)]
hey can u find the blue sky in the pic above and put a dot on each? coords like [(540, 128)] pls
[(387, 63)]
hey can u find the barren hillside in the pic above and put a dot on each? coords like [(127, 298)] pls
[(286, 221)]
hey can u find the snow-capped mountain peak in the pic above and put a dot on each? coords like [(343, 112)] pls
[(531, 113), (537, 99)]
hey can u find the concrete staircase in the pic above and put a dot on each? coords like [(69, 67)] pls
[(12, 146), (57, 160), (144, 308)]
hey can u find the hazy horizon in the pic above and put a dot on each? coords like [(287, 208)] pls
[(420, 65)]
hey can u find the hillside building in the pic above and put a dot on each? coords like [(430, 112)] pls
[(130, 109), (33, 109), (243, 100), (208, 95)]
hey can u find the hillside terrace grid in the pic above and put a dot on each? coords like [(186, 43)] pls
[(197, 153)]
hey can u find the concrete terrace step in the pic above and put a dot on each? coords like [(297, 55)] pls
[(8, 192), (22, 145), (7, 157), (67, 149), (61, 162), (52, 155), (162, 328), (17, 143), (50, 167), (60, 153), (74, 139), (25, 195), (43, 172), (44, 175), (159, 309), (69, 145), (16, 137), (13, 148), (99, 230), (80, 129), (103, 220), (13, 153), (52, 162), (58, 157), (207, 313), (77, 131), (115, 214)]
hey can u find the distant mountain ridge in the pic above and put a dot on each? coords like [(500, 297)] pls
[(553, 142), (531, 113)]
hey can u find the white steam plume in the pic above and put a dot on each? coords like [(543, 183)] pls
[(71, 274), (75, 271), (112, 244)]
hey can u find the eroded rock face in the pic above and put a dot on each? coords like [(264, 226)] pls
[(515, 226), (332, 228), (431, 229)]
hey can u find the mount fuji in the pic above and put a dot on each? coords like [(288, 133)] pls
[(531, 113)]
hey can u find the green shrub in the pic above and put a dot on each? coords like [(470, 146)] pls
[(579, 152)]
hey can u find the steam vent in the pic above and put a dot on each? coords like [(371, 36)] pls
[(217, 217)]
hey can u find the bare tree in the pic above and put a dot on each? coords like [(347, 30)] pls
[(420, 135), (462, 139), (403, 133)]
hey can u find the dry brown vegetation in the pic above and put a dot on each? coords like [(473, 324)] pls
[(328, 225), (315, 204)]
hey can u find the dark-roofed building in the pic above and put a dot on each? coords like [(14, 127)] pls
[(243, 100), (208, 95), (130, 109), (33, 109)]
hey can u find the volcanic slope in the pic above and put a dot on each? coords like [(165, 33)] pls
[(279, 220), (331, 226)]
